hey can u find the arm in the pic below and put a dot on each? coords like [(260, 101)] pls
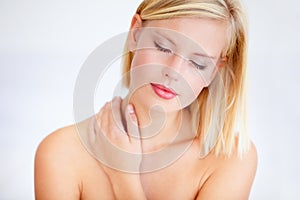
[(53, 176), (119, 149), (127, 186), (232, 180)]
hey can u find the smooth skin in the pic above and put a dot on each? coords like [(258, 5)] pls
[(65, 170)]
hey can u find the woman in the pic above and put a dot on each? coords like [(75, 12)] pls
[(174, 136)]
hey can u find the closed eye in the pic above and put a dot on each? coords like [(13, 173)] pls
[(198, 66), (160, 48)]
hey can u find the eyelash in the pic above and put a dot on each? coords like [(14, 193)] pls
[(162, 49), (198, 66)]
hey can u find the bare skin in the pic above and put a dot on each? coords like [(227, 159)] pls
[(65, 170)]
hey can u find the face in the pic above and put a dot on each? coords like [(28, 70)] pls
[(174, 59)]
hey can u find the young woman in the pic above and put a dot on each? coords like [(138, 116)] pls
[(180, 132)]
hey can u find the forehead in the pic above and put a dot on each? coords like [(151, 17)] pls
[(209, 34)]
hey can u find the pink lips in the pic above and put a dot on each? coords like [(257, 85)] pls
[(163, 92)]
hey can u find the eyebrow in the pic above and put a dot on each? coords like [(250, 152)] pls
[(164, 36), (171, 41), (204, 55)]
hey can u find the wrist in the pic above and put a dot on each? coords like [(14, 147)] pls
[(128, 186)]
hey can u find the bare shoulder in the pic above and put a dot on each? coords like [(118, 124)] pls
[(56, 164), (65, 170), (62, 145), (58, 141), (232, 178)]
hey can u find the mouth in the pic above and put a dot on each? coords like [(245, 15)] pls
[(163, 92)]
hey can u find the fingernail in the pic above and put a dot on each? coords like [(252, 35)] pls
[(130, 109)]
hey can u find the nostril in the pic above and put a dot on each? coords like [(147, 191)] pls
[(170, 74)]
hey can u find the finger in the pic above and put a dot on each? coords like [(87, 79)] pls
[(110, 123), (116, 113), (92, 129), (103, 118), (98, 124), (132, 123)]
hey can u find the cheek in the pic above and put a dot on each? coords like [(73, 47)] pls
[(196, 83), (199, 85), (143, 72), (193, 85), (142, 57), (137, 60)]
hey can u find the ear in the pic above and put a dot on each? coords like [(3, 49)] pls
[(132, 40), (222, 62)]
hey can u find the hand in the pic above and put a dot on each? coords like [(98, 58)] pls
[(118, 150), (110, 143)]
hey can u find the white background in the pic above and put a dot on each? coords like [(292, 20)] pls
[(44, 43)]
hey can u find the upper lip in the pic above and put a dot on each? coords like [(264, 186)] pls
[(165, 88)]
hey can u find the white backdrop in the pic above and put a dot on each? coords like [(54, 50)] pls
[(44, 43)]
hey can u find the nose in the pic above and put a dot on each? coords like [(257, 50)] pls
[(170, 73), (175, 65)]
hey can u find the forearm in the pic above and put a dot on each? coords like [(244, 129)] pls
[(128, 186)]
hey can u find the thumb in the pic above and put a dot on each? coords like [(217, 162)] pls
[(132, 123)]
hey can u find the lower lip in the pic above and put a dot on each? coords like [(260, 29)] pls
[(163, 93)]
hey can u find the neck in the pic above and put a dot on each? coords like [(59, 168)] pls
[(158, 128)]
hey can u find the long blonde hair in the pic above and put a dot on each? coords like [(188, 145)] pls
[(222, 138)]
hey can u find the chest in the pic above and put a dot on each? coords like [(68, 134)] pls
[(177, 181)]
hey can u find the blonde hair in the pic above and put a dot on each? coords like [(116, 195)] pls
[(217, 132)]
